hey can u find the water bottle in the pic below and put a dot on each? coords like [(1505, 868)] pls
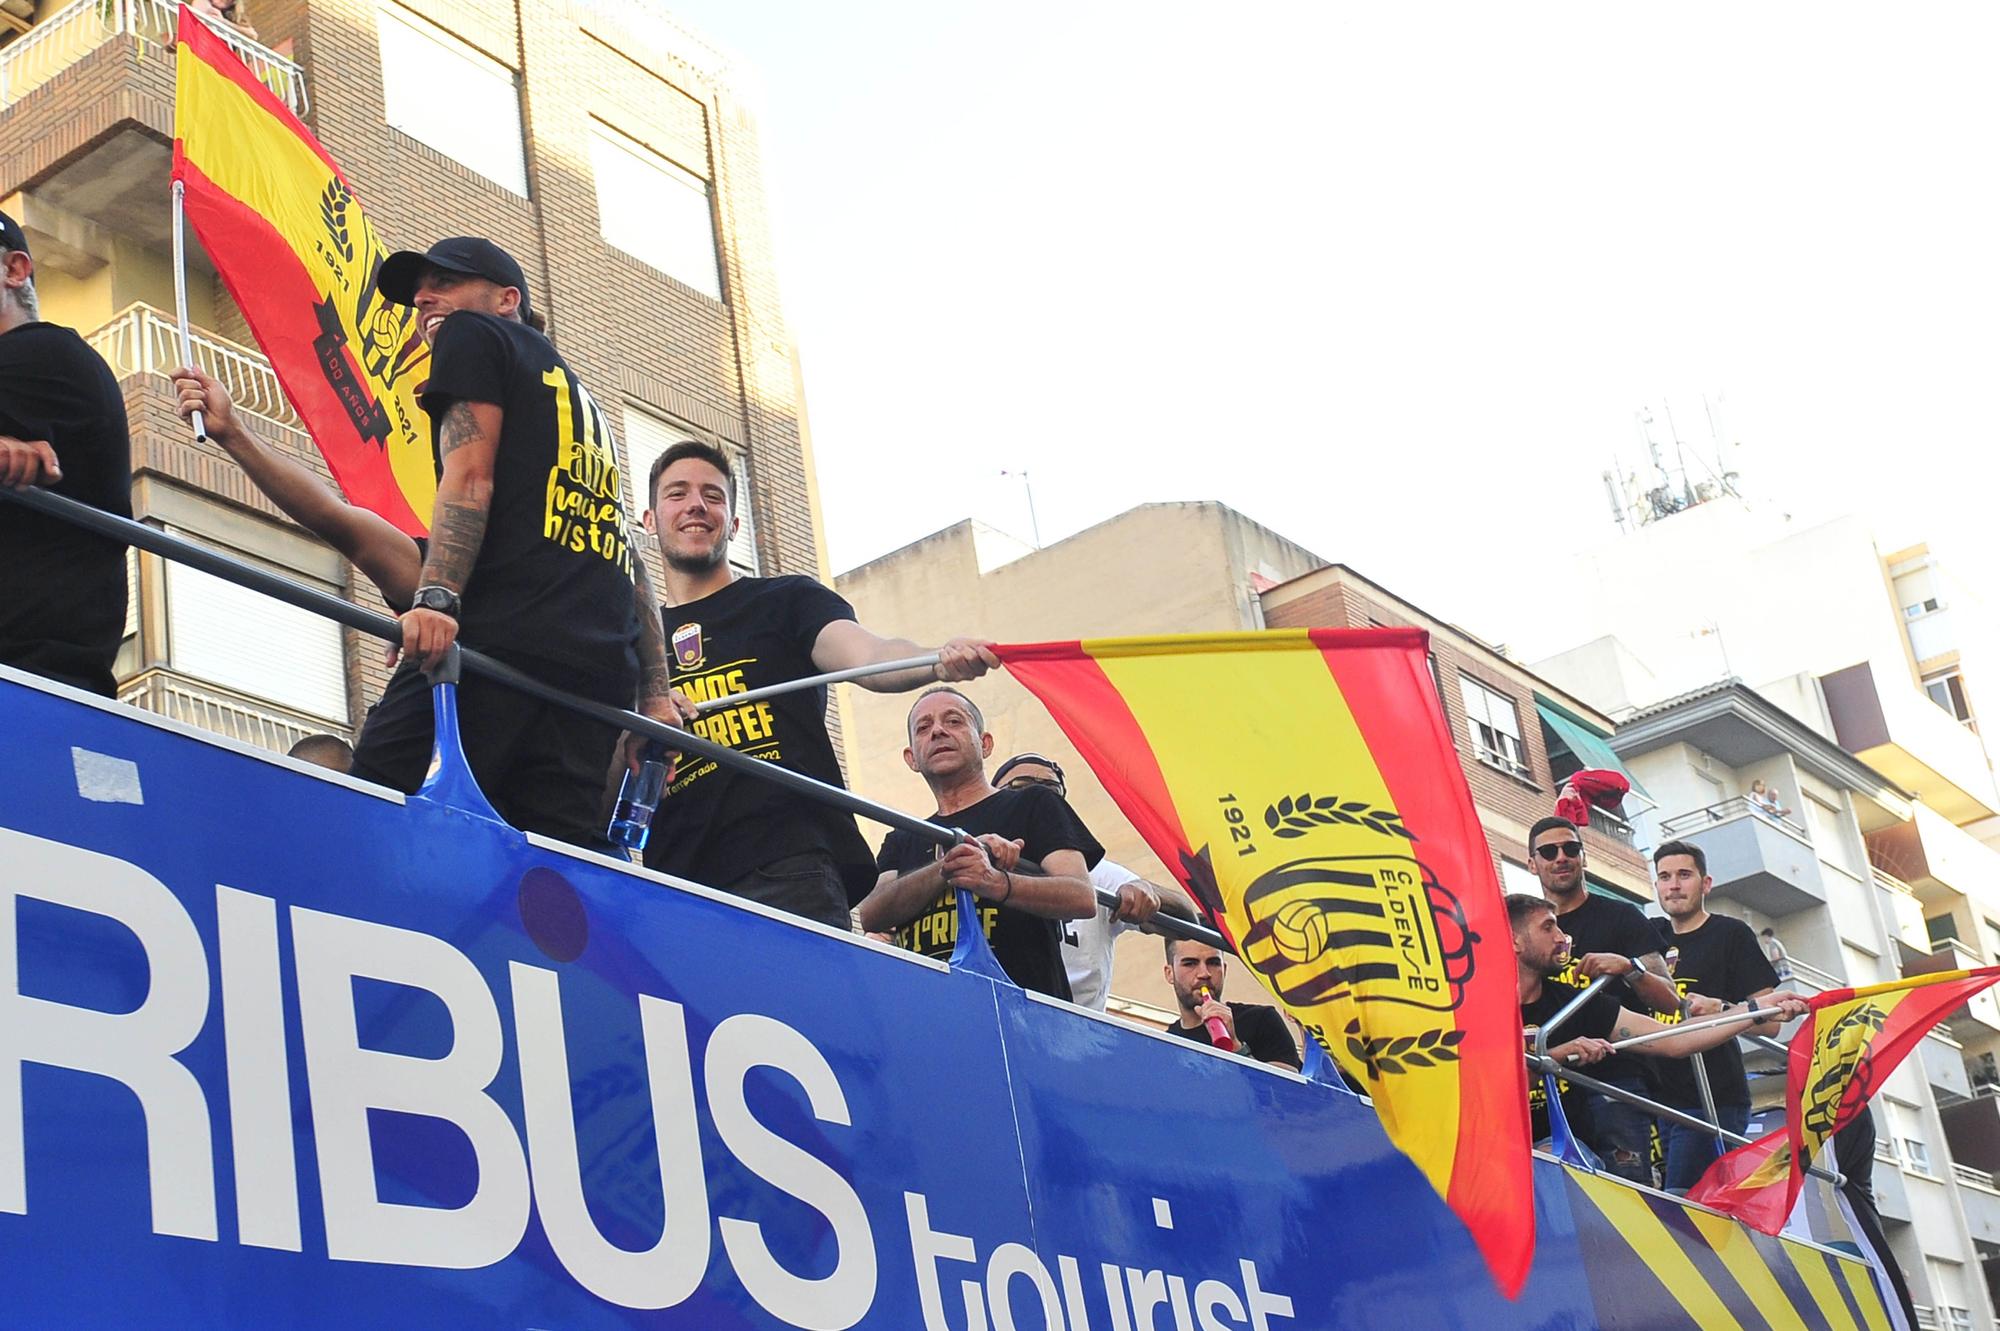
[(638, 797)]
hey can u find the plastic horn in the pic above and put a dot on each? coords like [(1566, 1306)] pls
[(1218, 1034), (814, 681)]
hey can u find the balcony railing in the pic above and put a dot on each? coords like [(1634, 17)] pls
[(1722, 812), (143, 340), (73, 32), (1978, 1178), (222, 711)]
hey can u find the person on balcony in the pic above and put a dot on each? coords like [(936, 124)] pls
[(62, 427), (224, 15), (1766, 802), (1720, 957)]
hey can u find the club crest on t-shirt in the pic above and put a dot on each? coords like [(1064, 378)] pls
[(687, 646)]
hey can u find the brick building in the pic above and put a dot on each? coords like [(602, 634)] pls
[(596, 140), (1517, 734)]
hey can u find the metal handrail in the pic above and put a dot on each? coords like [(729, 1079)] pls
[(71, 33), (1722, 811), (140, 339), (177, 548)]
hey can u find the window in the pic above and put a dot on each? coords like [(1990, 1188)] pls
[(440, 91), (1924, 607), (1495, 725), (1519, 878), (646, 437), (653, 210), (245, 641), (1955, 1319), (1947, 690), (1943, 929)]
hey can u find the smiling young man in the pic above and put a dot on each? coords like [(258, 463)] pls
[(1721, 958), (1019, 912), (529, 558), (1607, 937), (730, 634)]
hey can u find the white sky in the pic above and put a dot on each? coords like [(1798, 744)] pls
[(1392, 280)]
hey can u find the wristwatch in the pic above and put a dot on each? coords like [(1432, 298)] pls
[(441, 599)]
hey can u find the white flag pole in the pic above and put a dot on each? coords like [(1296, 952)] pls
[(181, 297)]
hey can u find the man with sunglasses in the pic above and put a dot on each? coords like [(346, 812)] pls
[(1087, 943), (1607, 937)]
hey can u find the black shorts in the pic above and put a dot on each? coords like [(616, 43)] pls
[(543, 767), (806, 884)]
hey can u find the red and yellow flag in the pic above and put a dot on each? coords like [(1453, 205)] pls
[(292, 245), (1304, 785), (1849, 1043)]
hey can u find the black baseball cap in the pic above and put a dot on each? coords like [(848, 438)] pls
[(473, 255), (1035, 758), (11, 235)]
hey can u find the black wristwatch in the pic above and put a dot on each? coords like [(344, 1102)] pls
[(441, 599)]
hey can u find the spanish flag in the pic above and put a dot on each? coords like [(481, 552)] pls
[(292, 245), (1303, 784), (1849, 1043)]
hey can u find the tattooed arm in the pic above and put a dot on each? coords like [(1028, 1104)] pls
[(468, 442)]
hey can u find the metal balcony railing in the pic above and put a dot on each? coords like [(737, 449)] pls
[(73, 32), (144, 340), (221, 711), (1723, 811), (1978, 1178)]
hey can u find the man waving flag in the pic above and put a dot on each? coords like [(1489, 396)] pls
[(1849, 1043), (1304, 785), (290, 242)]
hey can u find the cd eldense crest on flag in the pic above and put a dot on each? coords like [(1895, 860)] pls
[(300, 258), (1304, 786), (1849, 1043)]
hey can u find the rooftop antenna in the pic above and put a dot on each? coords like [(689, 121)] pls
[(1611, 491), (1727, 474), (1680, 455), (1034, 523)]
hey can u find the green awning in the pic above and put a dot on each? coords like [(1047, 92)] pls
[(1590, 748)]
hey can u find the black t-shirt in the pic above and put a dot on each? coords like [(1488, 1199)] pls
[(1721, 959), (1028, 947), (63, 611), (551, 590), (715, 824), (1260, 1032), (1603, 925), (1598, 1017)]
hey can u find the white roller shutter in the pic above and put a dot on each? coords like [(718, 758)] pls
[(246, 641)]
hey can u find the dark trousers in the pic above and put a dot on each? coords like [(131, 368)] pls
[(1618, 1132), (1690, 1151), (543, 767), (807, 885)]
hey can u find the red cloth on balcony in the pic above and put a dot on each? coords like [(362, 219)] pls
[(1592, 787)]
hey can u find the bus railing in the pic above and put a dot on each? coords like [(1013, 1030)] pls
[(362, 620)]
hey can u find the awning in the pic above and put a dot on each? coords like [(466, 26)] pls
[(1590, 748)]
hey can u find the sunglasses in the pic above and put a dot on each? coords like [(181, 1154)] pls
[(1023, 782), (1552, 853)]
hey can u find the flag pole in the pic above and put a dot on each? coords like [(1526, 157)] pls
[(1706, 1022), (181, 297), (814, 681)]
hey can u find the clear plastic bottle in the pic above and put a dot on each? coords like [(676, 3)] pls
[(638, 799)]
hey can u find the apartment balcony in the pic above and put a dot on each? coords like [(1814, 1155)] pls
[(1944, 1067), (141, 344), (47, 49), (1763, 862), (1888, 723), (1903, 910), (1982, 1008), (1940, 863), (1981, 1200), (222, 711)]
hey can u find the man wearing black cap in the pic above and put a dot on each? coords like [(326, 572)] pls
[(529, 555), (62, 426)]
